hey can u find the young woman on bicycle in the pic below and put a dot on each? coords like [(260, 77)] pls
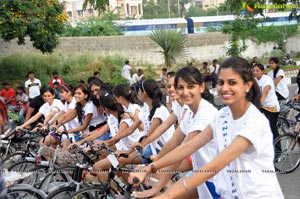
[(66, 93), (87, 113), (277, 74), (270, 105), (191, 87), (49, 110), (243, 138)]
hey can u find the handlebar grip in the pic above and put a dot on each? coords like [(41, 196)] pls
[(142, 138)]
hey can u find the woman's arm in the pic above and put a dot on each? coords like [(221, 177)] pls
[(120, 134), (95, 134), (51, 115), (86, 122), (265, 93), (174, 142), (178, 154), (234, 150), (277, 80), (30, 121), (158, 131)]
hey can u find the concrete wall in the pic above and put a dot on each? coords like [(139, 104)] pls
[(140, 49)]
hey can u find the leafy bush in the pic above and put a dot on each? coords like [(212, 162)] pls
[(69, 66)]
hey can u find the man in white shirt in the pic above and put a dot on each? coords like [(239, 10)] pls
[(213, 69), (32, 86), (137, 78), (126, 72)]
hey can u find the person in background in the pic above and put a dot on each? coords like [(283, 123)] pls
[(277, 74), (3, 115), (96, 76), (254, 61), (163, 76), (22, 100), (56, 87), (55, 78), (137, 78), (126, 72), (205, 70), (213, 69), (32, 86), (10, 96), (296, 97)]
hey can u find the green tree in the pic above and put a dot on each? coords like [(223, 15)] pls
[(41, 20), (94, 26), (172, 44), (100, 5), (245, 21)]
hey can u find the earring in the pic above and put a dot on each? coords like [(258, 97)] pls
[(247, 91)]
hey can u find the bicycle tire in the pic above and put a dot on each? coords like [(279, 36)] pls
[(62, 193), (21, 191), (94, 192), (13, 158), (287, 153), (282, 125), (38, 172), (54, 178)]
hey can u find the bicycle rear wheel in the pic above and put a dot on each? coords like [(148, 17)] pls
[(282, 125), (287, 153)]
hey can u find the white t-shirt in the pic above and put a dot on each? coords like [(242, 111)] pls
[(212, 69), (198, 122), (73, 123), (161, 113), (124, 143), (281, 87), (135, 78), (33, 87), (252, 174), (96, 118), (178, 110), (46, 108), (271, 98), (126, 72)]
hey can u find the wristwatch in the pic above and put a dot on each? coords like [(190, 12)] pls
[(153, 168)]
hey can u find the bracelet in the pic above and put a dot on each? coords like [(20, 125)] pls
[(185, 186)]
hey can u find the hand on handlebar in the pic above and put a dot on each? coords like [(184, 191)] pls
[(138, 175), (136, 144)]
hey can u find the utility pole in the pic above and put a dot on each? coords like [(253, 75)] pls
[(169, 8), (178, 8)]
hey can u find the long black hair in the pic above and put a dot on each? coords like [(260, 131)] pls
[(125, 91), (79, 107), (108, 101), (192, 75), (151, 88), (276, 61), (242, 67)]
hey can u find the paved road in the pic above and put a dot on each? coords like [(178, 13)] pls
[(290, 184)]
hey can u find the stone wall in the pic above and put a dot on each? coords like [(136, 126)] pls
[(140, 49)]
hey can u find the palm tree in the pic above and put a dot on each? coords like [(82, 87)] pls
[(172, 43)]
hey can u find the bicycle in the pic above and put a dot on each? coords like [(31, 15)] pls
[(287, 152), (106, 191)]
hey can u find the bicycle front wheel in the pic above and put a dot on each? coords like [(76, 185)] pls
[(95, 192), (23, 191), (287, 153)]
